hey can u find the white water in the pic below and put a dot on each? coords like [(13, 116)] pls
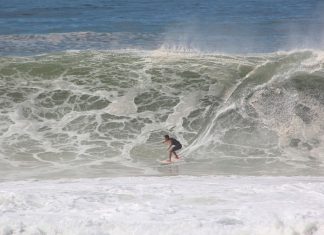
[(164, 205), (96, 115)]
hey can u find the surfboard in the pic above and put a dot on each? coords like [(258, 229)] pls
[(173, 160), (165, 161)]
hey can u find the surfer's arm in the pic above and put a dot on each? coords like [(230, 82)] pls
[(166, 141)]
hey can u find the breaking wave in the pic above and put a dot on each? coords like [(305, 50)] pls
[(99, 113)]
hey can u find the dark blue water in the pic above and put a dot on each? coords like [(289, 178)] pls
[(227, 26)]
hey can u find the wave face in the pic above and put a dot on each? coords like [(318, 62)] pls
[(101, 113)]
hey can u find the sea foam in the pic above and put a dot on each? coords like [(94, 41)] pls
[(164, 205)]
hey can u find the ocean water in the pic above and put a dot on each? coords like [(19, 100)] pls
[(88, 89), (233, 26)]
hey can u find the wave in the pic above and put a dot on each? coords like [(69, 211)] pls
[(94, 113), (33, 44)]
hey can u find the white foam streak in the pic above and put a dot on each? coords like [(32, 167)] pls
[(123, 105)]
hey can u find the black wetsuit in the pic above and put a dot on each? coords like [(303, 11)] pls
[(176, 144)]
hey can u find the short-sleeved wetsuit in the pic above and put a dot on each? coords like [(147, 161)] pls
[(177, 144)]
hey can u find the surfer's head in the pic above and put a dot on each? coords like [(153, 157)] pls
[(166, 137)]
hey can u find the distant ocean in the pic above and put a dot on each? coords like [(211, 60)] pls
[(233, 26), (88, 89)]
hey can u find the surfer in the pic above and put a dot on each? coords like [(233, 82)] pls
[(174, 145)]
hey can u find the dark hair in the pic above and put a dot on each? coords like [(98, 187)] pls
[(167, 137)]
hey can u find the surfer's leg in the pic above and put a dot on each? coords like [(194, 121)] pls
[(170, 153), (174, 151)]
